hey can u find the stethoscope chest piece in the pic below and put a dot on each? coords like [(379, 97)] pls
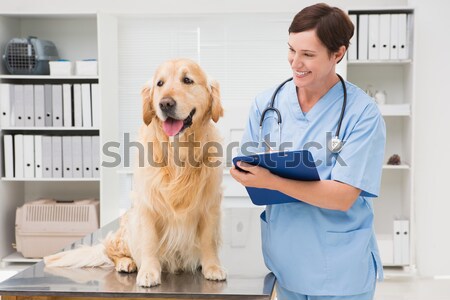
[(335, 145)]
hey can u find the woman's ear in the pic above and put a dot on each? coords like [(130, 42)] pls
[(216, 105), (148, 113), (339, 55)]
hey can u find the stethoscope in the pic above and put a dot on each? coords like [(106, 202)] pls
[(335, 145)]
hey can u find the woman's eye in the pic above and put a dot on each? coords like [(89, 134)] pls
[(187, 80), (160, 83), (291, 50)]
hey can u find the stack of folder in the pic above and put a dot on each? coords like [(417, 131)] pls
[(50, 105), (42, 156), (401, 242), (380, 37)]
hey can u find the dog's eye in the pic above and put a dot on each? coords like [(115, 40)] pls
[(187, 80), (160, 83)]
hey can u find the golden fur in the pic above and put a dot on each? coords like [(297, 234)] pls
[(174, 221)]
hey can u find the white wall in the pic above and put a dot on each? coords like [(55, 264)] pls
[(179, 6), (432, 136)]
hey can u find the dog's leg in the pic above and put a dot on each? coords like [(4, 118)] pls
[(116, 248), (209, 243), (149, 273)]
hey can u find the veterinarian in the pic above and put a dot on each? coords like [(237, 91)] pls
[(323, 246)]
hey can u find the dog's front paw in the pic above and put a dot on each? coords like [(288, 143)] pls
[(125, 265), (214, 272), (148, 277)]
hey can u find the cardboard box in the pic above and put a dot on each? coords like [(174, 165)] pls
[(86, 68), (61, 68)]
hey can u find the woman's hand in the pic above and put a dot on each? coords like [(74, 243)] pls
[(255, 176)]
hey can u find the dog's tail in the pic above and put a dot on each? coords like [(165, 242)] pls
[(85, 256)]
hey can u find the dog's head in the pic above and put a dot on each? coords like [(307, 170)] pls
[(181, 96)]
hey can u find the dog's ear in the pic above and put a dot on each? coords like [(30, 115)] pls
[(216, 105), (148, 113)]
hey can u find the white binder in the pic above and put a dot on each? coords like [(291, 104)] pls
[(6, 102), (67, 105), (363, 37), (39, 105), (374, 37), (77, 112), (38, 156), (96, 114), (57, 156), (87, 156), (28, 156), (402, 37), (393, 54), (86, 104), (46, 156), (8, 156), (28, 104), (96, 156), (48, 105), (67, 156), (18, 156), (398, 242), (57, 105), (385, 32), (352, 53), (405, 241), (18, 105), (77, 157)]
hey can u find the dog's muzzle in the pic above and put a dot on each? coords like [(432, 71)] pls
[(173, 125)]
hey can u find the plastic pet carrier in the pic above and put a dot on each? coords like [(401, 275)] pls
[(44, 227), (29, 56)]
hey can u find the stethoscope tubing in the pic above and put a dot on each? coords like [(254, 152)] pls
[(272, 107)]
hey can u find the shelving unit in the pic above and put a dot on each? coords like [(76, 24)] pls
[(395, 77), (75, 36)]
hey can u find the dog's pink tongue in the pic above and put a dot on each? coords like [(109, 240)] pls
[(171, 126)]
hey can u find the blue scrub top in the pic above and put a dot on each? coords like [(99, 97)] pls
[(311, 250)]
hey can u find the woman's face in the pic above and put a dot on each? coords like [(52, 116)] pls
[(311, 64)]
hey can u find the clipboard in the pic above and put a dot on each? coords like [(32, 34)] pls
[(297, 165)]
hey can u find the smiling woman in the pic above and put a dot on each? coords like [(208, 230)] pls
[(323, 245)]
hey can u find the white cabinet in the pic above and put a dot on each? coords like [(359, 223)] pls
[(391, 74), (75, 37)]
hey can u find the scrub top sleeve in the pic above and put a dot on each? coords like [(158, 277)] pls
[(361, 159), (250, 138)]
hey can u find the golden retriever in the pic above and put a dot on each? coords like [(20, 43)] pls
[(174, 221)]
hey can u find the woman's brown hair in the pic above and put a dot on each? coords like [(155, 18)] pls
[(333, 26)]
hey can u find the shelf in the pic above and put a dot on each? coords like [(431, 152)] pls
[(125, 171), (51, 179), (396, 167), (49, 128), (395, 110), (379, 62), (47, 77), (17, 257)]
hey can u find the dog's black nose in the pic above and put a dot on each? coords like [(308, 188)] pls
[(167, 104)]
